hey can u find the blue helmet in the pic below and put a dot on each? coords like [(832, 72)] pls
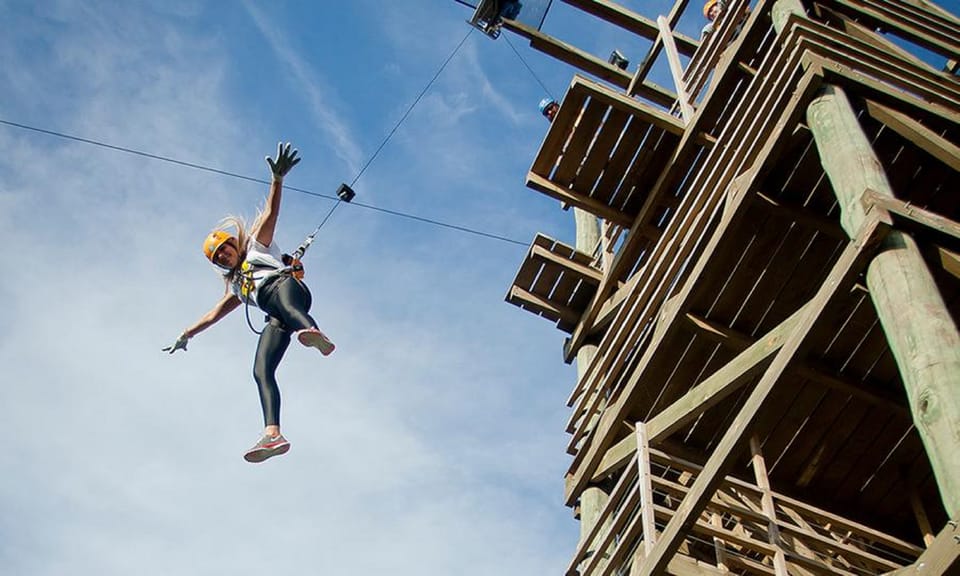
[(545, 103)]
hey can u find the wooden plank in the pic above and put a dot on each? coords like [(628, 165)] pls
[(631, 21), (932, 33), (637, 108), (773, 71), (925, 138), (626, 150), (803, 216), (584, 271), (758, 110), (865, 60), (545, 186), (676, 69), (649, 164), (707, 482), (583, 135), (949, 260), (646, 489), (919, 215), (705, 395), (941, 557), (558, 133), (599, 156), (572, 483), (541, 305), (802, 513), (588, 62)]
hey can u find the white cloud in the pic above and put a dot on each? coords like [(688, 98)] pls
[(313, 87), (424, 445)]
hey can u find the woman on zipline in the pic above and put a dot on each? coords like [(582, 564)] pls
[(256, 273)]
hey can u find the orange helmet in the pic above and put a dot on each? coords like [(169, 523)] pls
[(213, 242), (708, 5)]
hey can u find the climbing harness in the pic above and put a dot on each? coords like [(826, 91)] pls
[(292, 264)]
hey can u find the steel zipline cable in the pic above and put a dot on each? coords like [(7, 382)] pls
[(390, 134), (195, 166)]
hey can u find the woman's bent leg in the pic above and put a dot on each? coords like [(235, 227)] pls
[(289, 301)]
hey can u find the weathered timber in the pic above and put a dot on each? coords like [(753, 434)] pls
[(676, 70), (842, 273), (919, 328), (588, 62)]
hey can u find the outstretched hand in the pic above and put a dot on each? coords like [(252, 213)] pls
[(180, 344), (286, 159)]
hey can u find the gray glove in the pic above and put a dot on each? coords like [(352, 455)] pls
[(286, 159), (180, 344)]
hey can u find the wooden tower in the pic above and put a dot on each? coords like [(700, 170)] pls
[(763, 299)]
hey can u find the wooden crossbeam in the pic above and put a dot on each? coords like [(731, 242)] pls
[(587, 273), (719, 385), (941, 557), (519, 296), (589, 63), (806, 369), (925, 138), (631, 21), (546, 186), (786, 111), (851, 262)]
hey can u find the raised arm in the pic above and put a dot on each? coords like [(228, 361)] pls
[(226, 305), (286, 159)]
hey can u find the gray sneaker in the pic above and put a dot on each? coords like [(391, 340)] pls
[(267, 447), (316, 339)]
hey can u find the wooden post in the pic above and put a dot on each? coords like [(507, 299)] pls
[(676, 69), (766, 504), (645, 488), (593, 499), (922, 335)]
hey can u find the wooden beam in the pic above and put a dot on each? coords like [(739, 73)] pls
[(803, 216), (588, 63), (849, 264), (923, 522), (659, 118), (925, 138), (631, 21), (676, 70), (719, 385), (646, 489), (950, 260), (766, 503), (587, 273), (807, 369), (905, 209), (920, 329), (545, 186), (941, 557), (520, 296)]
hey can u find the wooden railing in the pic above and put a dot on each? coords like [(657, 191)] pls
[(733, 532)]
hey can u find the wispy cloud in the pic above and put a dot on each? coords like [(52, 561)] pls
[(312, 86), (426, 437)]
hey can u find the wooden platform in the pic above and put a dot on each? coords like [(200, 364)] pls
[(741, 308), (555, 281)]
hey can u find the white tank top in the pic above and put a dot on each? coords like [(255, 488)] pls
[(261, 263)]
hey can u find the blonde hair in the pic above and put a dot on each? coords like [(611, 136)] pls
[(237, 227)]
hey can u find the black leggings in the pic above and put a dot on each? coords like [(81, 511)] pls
[(287, 302)]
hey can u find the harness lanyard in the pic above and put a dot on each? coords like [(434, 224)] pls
[(344, 194)]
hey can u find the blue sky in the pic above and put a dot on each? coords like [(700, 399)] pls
[(431, 442)]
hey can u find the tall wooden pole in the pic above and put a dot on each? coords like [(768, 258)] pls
[(593, 499), (922, 335)]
